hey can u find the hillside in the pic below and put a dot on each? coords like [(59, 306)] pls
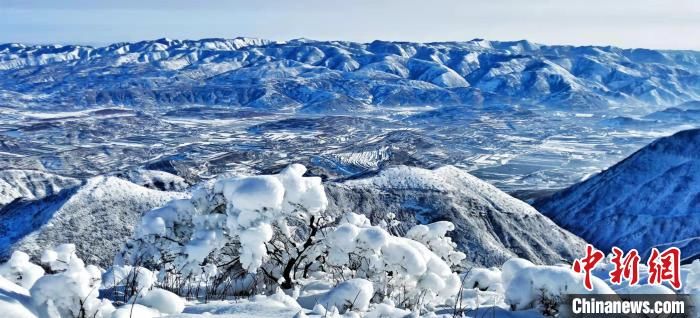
[(650, 198), (97, 216), (490, 226)]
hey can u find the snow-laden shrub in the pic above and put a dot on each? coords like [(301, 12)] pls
[(241, 227), (72, 292), (273, 228), (485, 279), (534, 286), (20, 270), (140, 278), (348, 295), (59, 258), (122, 282), (434, 236), (691, 285), (135, 285), (71, 289), (402, 268), (387, 309)]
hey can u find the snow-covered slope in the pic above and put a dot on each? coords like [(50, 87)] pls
[(650, 198), (31, 184), (97, 216), (336, 76), (490, 226)]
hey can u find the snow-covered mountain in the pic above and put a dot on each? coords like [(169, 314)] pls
[(525, 117), (31, 184), (336, 76), (97, 216), (651, 198), (490, 226)]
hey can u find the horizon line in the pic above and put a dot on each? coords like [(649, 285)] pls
[(98, 45)]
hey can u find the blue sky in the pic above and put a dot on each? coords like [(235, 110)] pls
[(668, 24)]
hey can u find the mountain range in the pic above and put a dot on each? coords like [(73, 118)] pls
[(335, 76), (95, 136)]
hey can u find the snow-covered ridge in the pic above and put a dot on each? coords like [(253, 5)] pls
[(651, 198), (97, 215), (31, 184), (490, 225), (445, 179), (323, 75), (14, 55)]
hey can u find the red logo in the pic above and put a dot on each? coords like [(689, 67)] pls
[(663, 266), (587, 264), (627, 267)]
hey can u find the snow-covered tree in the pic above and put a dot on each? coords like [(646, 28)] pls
[(71, 290), (241, 227), (272, 230), (406, 271), (543, 287), (434, 236)]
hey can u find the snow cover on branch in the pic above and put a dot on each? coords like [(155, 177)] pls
[(253, 203), (485, 279), (417, 273), (273, 228), (139, 278), (20, 271), (435, 237), (70, 289), (239, 211)]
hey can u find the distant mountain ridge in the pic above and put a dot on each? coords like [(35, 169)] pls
[(336, 76), (651, 198)]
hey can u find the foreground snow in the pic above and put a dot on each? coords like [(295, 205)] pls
[(514, 290)]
